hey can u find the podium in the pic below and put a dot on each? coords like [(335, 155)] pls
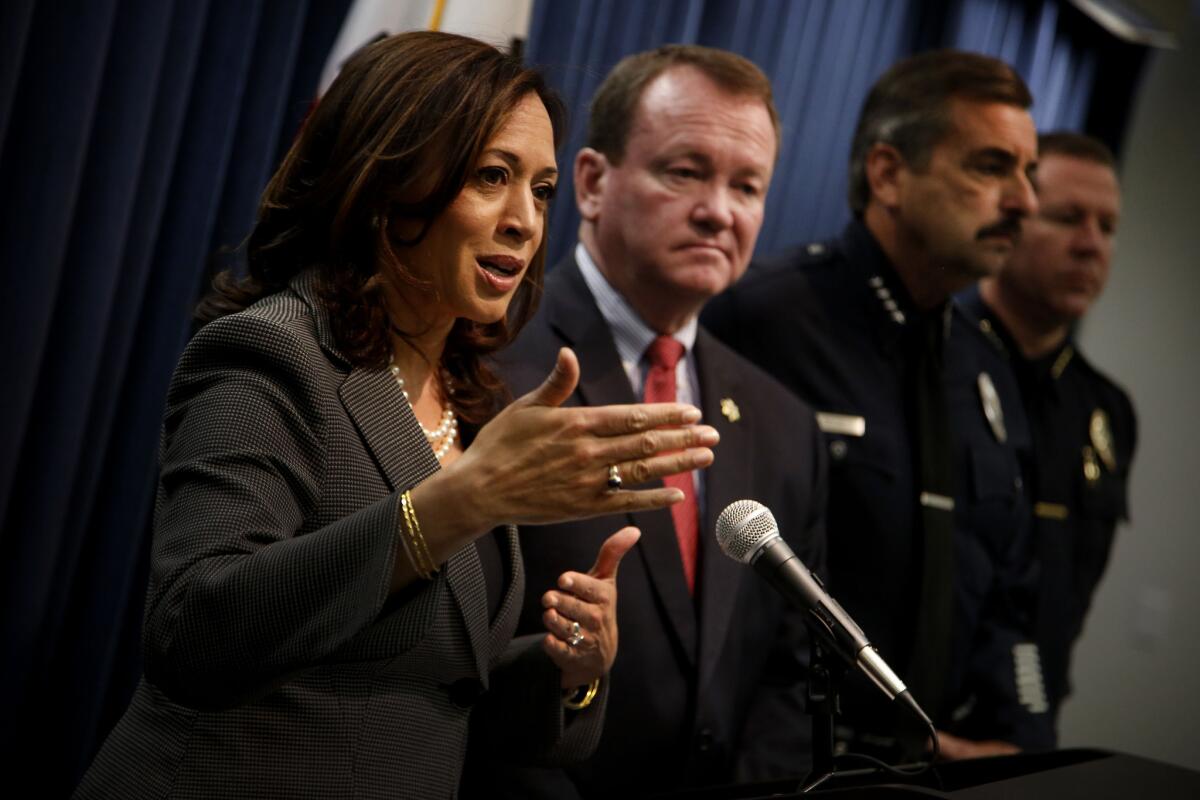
[(1057, 775)]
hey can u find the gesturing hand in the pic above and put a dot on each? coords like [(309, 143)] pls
[(591, 602), (538, 463)]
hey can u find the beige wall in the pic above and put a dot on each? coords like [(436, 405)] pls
[(1137, 668)]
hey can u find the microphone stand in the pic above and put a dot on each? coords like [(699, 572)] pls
[(823, 704)]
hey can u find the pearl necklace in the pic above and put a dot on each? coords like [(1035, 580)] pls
[(446, 432)]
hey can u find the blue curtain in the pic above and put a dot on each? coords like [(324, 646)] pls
[(135, 137), (1059, 68), (821, 56)]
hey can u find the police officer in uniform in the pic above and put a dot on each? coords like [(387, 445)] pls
[(927, 513), (1084, 428)]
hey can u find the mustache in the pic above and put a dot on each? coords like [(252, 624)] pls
[(1009, 226)]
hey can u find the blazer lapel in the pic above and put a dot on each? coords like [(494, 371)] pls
[(573, 315), (726, 480), (393, 436), (388, 426), (505, 623)]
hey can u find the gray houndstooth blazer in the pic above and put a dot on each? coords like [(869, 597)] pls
[(275, 663)]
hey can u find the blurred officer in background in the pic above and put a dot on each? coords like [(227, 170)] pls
[(1084, 428)]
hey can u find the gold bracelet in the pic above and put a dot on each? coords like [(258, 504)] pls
[(419, 552), (574, 702), (425, 558), (423, 561), (411, 527), (410, 543), (405, 538)]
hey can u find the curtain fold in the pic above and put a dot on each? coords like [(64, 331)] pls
[(135, 139), (61, 460), (18, 16), (1050, 47)]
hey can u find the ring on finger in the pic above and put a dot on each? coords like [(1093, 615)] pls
[(614, 478), (576, 637)]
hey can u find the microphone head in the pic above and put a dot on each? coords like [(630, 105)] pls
[(744, 527)]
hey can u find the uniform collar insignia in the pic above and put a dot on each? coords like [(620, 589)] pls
[(1061, 362)]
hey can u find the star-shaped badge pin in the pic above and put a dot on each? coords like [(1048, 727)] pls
[(730, 409)]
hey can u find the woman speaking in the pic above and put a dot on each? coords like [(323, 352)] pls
[(336, 576)]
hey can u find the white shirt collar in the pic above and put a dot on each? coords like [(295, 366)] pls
[(630, 333)]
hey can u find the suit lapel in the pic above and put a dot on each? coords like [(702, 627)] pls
[(573, 315), (386, 422), (726, 480), (505, 623), (393, 436)]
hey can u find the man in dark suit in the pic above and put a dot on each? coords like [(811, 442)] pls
[(708, 686), (1083, 424), (927, 515)]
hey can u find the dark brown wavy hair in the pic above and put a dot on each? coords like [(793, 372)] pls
[(396, 136)]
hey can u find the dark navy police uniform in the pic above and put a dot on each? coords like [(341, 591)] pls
[(1084, 436), (835, 324)]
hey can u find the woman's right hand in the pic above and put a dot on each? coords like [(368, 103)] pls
[(538, 463)]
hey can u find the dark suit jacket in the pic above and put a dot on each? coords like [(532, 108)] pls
[(276, 662), (701, 690)]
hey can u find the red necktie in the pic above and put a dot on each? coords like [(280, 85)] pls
[(664, 354)]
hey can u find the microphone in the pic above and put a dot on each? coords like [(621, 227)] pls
[(747, 532)]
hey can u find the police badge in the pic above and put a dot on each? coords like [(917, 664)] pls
[(1100, 432), (991, 407)]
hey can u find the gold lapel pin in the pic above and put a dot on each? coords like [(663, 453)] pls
[(730, 409)]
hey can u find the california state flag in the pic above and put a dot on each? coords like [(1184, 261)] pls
[(497, 22)]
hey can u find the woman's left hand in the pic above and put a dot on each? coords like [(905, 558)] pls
[(591, 601)]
